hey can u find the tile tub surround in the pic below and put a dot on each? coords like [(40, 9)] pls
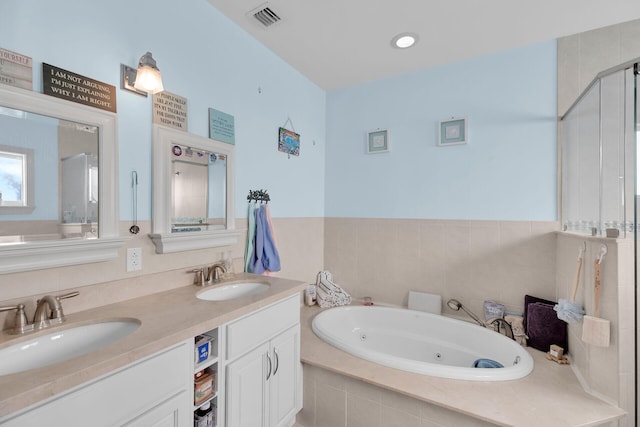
[(550, 395), (606, 372), (167, 318), (472, 261)]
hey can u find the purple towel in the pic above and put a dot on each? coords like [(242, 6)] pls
[(543, 327)]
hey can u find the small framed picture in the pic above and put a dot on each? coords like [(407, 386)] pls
[(452, 132), (378, 141), (288, 142)]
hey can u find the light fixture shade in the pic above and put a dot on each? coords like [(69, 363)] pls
[(149, 79)]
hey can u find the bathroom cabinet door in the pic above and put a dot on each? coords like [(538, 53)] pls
[(263, 387), (284, 384), (263, 370), (247, 389)]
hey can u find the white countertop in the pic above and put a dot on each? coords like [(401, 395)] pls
[(167, 318), (549, 396)]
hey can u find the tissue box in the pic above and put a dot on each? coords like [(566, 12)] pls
[(202, 348)]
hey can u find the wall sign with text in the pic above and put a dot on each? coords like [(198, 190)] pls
[(77, 88)]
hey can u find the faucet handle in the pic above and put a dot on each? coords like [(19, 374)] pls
[(57, 312), (20, 322), (198, 279), (69, 295)]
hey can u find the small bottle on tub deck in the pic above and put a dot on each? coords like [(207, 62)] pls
[(310, 295), (367, 301)]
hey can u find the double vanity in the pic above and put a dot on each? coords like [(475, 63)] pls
[(137, 362)]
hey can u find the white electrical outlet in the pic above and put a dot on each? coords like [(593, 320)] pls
[(134, 259)]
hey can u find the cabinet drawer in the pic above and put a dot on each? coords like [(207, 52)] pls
[(246, 333)]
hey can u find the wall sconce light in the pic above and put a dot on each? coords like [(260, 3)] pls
[(146, 79)]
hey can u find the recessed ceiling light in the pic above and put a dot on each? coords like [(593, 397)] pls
[(404, 40)]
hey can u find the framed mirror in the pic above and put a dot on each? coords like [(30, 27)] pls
[(193, 192), (58, 182)]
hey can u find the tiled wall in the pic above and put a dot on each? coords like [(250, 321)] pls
[(607, 372), (582, 56), (332, 400), (472, 261), (299, 241)]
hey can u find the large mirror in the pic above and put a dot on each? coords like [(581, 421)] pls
[(48, 177), (58, 175), (193, 187)]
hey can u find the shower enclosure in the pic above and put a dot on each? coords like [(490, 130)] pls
[(598, 156), (599, 195)]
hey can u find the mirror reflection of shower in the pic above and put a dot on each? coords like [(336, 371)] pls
[(199, 189)]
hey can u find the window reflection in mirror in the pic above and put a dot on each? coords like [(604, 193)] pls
[(199, 189), (48, 178), (16, 172)]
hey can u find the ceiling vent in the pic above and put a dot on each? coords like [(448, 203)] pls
[(265, 15)]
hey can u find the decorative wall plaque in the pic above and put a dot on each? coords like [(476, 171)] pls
[(77, 88), (170, 110), (16, 70), (222, 126)]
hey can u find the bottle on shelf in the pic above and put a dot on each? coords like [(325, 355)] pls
[(203, 417)]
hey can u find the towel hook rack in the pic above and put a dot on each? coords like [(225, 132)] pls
[(258, 196)]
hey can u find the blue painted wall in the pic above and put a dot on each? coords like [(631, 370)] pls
[(507, 171), (203, 57)]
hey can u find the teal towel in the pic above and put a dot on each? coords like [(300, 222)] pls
[(251, 232)]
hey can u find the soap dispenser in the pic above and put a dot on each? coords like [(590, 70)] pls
[(228, 264)]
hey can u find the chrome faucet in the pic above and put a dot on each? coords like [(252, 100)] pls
[(498, 322), (495, 322), (43, 320), (215, 272)]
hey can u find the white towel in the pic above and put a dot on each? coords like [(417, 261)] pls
[(328, 293)]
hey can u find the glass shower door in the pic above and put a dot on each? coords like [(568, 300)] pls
[(597, 158)]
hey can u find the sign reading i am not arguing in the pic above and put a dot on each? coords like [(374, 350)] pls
[(77, 88)]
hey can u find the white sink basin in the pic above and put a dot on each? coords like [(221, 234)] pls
[(62, 344), (233, 290)]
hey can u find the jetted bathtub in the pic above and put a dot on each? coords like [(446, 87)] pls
[(423, 343)]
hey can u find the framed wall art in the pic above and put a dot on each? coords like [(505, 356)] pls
[(452, 132), (288, 142), (378, 141)]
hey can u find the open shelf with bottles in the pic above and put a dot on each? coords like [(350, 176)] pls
[(206, 370)]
